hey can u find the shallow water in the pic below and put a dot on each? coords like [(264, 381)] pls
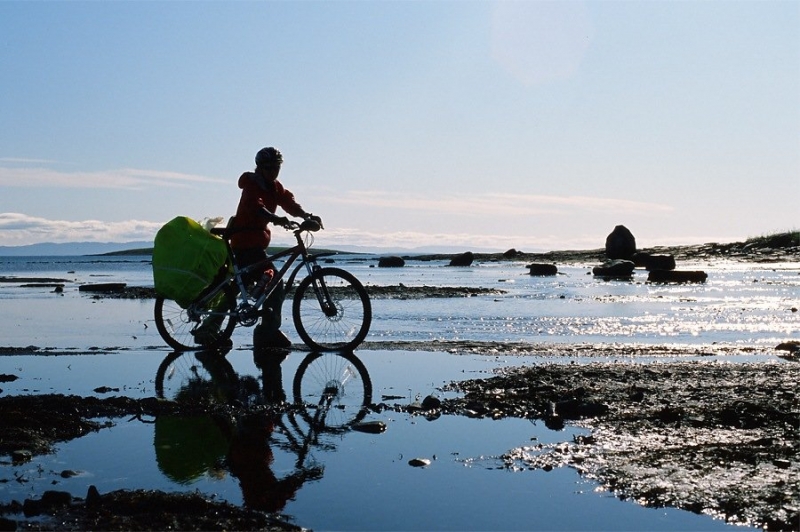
[(364, 481)]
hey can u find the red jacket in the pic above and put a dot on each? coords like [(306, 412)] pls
[(254, 198)]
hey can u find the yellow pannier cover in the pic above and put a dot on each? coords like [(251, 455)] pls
[(186, 258)]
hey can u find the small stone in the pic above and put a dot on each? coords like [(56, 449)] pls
[(20, 456), (370, 427), (419, 462), (431, 403), (781, 463)]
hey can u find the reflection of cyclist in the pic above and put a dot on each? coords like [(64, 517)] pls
[(250, 460), (250, 457), (190, 447), (262, 194)]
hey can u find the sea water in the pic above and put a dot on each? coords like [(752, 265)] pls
[(102, 347)]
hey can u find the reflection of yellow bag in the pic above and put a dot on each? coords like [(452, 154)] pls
[(188, 447), (186, 258)]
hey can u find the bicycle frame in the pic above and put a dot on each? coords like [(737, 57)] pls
[(237, 278)]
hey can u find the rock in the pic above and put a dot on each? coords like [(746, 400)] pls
[(7, 378), (511, 253), (20, 456), (464, 259), (102, 287), (542, 269), (677, 276), (370, 427), (781, 463), (49, 501), (391, 262), (431, 403), (792, 346), (614, 268), (577, 409), (620, 244), (419, 462), (654, 262), (93, 498)]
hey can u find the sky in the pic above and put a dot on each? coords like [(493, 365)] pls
[(473, 124)]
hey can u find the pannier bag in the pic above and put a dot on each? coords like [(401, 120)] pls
[(186, 258)]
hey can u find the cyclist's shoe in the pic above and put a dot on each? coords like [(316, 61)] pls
[(278, 340), (263, 338), (207, 336)]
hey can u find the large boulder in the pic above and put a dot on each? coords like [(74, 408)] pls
[(614, 268), (391, 262), (677, 276), (620, 244), (654, 262), (542, 269), (463, 259)]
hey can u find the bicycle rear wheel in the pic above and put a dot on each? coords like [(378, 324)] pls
[(205, 377), (331, 310), (176, 325)]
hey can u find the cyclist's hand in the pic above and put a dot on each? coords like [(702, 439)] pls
[(316, 219), (283, 221)]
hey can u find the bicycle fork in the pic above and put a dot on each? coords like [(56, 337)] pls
[(323, 294)]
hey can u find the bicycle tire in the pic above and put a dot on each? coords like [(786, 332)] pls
[(342, 331), (175, 325), (183, 377), (333, 390)]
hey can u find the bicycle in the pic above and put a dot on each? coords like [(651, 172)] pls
[(332, 393), (331, 309)]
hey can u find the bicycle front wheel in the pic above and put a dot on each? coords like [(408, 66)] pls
[(331, 310), (179, 326), (333, 389)]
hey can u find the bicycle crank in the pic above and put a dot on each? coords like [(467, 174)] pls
[(247, 314)]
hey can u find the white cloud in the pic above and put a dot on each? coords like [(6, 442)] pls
[(495, 204), (19, 229), (124, 178)]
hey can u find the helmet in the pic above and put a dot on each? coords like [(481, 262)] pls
[(268, 157)]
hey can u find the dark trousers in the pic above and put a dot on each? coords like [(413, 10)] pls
[(271, 309)]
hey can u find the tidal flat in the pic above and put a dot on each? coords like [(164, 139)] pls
[(636, 405)]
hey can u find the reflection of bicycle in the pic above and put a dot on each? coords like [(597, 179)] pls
[(331, 392), (331, 309)]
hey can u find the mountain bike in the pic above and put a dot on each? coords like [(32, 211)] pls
[(331, 309)]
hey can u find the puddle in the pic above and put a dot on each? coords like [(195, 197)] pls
[(321, 479)]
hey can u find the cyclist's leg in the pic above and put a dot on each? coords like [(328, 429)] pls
[(208, 331), (268, 333)]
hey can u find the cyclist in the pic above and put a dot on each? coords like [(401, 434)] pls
[(262, 194)]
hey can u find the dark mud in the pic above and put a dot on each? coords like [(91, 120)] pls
[(713, 438), (135, 510)]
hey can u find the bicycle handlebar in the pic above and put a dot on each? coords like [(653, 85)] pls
[(307, 225)]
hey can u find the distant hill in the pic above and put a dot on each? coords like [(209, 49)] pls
[(71, 248), (146, 248)]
